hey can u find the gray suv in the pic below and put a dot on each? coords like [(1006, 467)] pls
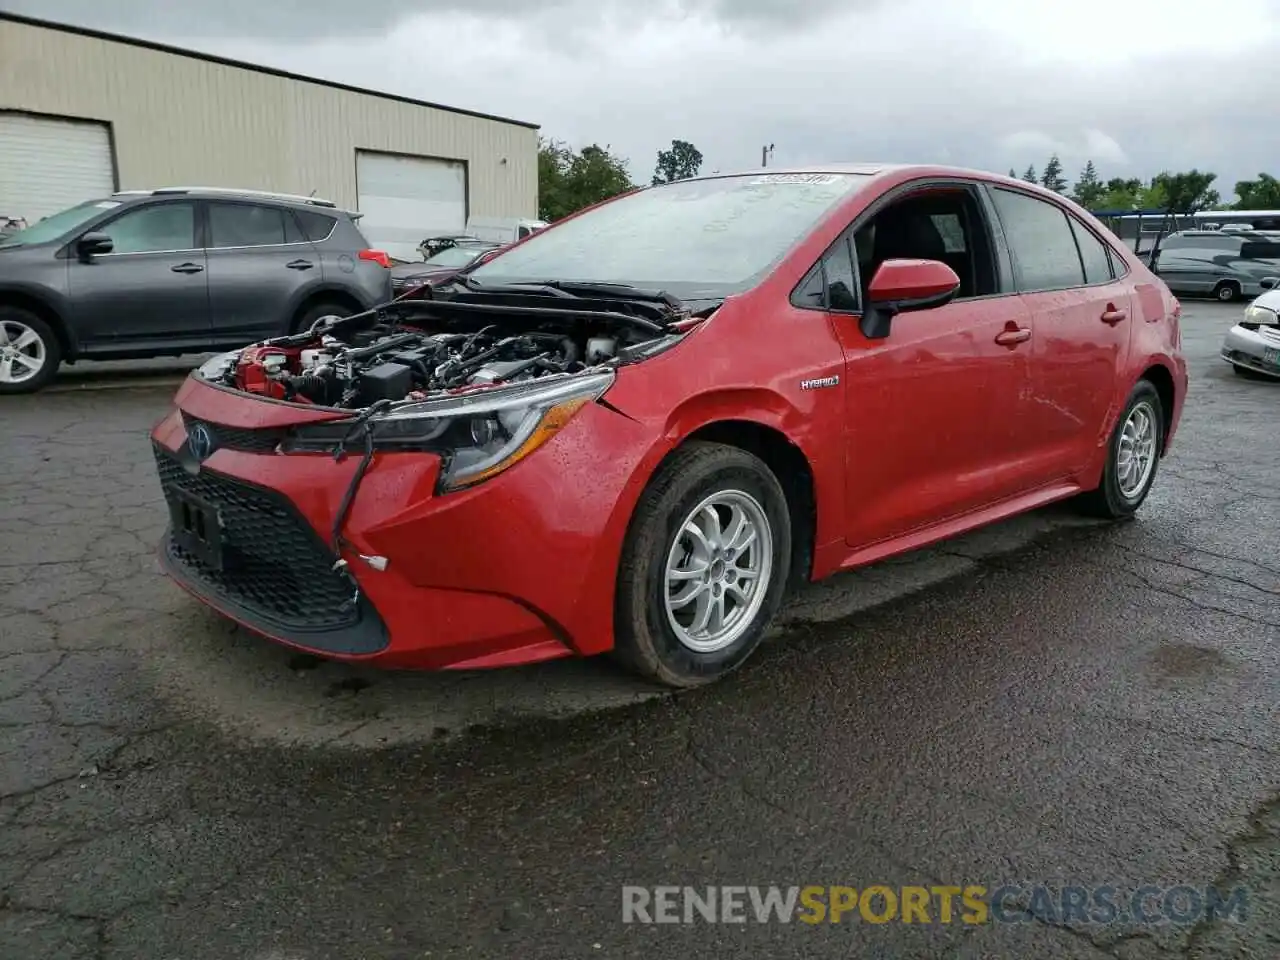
[(175, 271)]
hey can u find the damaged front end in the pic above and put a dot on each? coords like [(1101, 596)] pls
[(455, 343), (480, 375)]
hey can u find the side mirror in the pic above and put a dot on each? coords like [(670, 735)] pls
[(92, 244), (1270, 283), (901, 286)]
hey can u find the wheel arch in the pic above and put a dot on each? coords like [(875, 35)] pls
[(1158, 376), (335, 295), (46, 311)]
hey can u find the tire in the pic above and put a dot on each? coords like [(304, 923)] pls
[(307, 318), (647, 640), (1114, 498), (21, 325), (1251, 374), (1227, 291)]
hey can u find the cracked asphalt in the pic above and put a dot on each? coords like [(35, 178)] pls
[(1047, 701)]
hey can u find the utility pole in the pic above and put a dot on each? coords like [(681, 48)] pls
[(765, 154)]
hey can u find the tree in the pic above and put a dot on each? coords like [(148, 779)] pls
[(1013, 174), (569, 180), (1260, 194), (1030, 175), (1187, 192), (1088, 189), (1052, 177), (682, 161), (1121, 194)]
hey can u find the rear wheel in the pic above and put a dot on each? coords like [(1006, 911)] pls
[(704, 566), (307, 318), (1133, 456), (29, 352), (1227, 291)]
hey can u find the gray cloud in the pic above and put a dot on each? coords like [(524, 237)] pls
[(991, 84)]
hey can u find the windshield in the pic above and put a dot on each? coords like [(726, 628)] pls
[(54, 226), (694, 238), (455, 256)]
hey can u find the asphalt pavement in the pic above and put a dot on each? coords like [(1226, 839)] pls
[(1049, 701)]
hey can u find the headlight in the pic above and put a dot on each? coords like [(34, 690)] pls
[(217, 367), (1256, 314), (479, 434)]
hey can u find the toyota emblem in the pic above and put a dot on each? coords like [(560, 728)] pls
[(201, 442)]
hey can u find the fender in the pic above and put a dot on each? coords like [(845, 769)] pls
[(14, 292)]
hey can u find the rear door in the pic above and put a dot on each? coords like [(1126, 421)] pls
[(260, 265), (150, 290), (1083, 317)]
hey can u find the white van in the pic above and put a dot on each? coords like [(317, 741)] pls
[(503, 230)]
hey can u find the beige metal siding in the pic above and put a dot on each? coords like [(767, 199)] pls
[(179, 120)]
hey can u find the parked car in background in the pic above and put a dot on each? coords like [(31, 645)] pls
[(1223, 264), (179, 270), (636, 429), (458, 255), (1252, 346), (503, 230)]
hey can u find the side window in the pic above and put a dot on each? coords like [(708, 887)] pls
[(952, 231), (245, 225), (292, 229), (153, 229), (1097, 264), (522, 233), (315, 226), (1044, 248), (842, 283)]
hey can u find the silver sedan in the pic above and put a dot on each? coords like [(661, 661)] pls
[(1252, 346)]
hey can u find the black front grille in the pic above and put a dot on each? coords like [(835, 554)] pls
[(276, 569), (264, 440)]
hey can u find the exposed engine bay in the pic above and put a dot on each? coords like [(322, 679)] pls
[(411, 350)]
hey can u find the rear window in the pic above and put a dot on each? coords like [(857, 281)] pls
[(315, 226), (707, 238)]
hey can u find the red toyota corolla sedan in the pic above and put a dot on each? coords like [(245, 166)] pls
[(632, 431)]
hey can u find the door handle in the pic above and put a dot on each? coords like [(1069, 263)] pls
[(299, 265), (1011, 338), (1113, 316), (187, 268)]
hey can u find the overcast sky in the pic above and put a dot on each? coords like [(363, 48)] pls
[(1134, 85)]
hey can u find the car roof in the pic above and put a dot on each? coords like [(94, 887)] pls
[(233, 192), (898, 171)]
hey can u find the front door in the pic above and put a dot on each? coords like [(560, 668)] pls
[(151, 290), (935, 420)]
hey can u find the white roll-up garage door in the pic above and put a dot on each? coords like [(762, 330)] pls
[(404, 200), (47, 165)]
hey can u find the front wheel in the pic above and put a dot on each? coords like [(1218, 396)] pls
[(1133, 456), (704, 566), (29, 352), (1226, 291)]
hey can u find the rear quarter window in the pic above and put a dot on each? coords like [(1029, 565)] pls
[(315, 226)]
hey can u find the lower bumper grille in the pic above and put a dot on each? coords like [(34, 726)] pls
[(275, 572)]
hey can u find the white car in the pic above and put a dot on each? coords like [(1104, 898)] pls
[(1252, 346)]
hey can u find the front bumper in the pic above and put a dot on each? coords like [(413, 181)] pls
[(519, 569), (1257, 350)]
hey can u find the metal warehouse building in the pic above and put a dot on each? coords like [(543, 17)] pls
[(83, 113)]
